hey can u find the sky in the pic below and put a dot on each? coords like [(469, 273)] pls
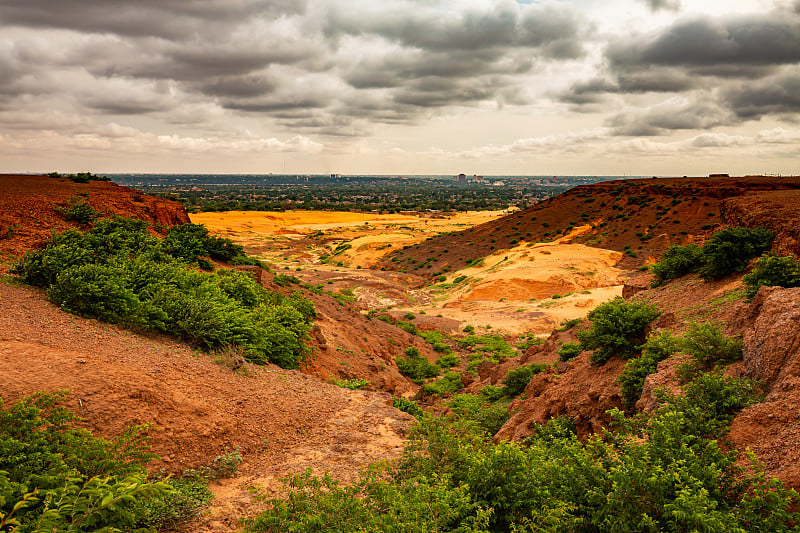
[(489, 87)]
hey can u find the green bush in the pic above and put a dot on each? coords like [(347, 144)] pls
[(448, 360), (190, 241), (120, 273), (707, 344), (79, 211), (446, 385), (569, 351), (407, 406), (491, 347), (486, 415), (657, 348), (617, 329), (660, 472), (517, 379), (771, 271), (677, 261), (416, 367), (54, 477), (352, 384), (730, 250)]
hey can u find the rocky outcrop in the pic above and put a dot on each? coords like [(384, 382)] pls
[(771, 350), (771, 340)]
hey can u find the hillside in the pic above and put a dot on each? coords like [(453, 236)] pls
[(643, 216), (29, 208), (282, 421), (523, 306)]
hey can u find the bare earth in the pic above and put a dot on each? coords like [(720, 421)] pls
[(281, 421), (512, 291)]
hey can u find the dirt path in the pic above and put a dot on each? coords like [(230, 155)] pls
[(282, 421)]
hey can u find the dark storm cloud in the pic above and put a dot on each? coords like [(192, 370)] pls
[(775, 95), (702, 114), (505, 26), (361, 62), (760, 40), (162, 18), (740, 60)]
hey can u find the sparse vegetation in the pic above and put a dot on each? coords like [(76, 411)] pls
[(657, 348)]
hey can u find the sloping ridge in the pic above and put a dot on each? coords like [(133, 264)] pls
[(647, 215)]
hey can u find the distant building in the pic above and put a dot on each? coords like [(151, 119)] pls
[(461, 178)]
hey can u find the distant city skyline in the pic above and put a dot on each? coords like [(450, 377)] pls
[(427, 87)]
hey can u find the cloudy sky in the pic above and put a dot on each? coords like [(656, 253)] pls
[(666, 87)]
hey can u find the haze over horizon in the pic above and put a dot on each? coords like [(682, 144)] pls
[(582, 87)]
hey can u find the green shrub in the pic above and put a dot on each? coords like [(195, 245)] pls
[(488, 416), (707, 344), (730, 249), (491, 347), (446, 385), (448, 360), (79, 211), (190, 241), (569, 351), (771, 271), (120, 273), (407, 406), (657, 348), (491, 394), (416, 367), (617, 329), (676, 261), (54, 477), (517, 379), (283, 280), (352, 384)]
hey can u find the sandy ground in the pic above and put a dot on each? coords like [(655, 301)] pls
[(303, 236), (531, 288)]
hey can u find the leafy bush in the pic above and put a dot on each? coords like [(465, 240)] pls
[(677, 261), (657, 348), (448, 360), (707, 344), (492, 347), (617, 329), (517, 379), (54, 477), (771, 271), (655, 473), (282, 280), (79, 211), (120, 273), (486, 415), (190, 241), (407, 406), (416, 367), (352, 384), (446, 385), (730, 249), (569, 351)]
